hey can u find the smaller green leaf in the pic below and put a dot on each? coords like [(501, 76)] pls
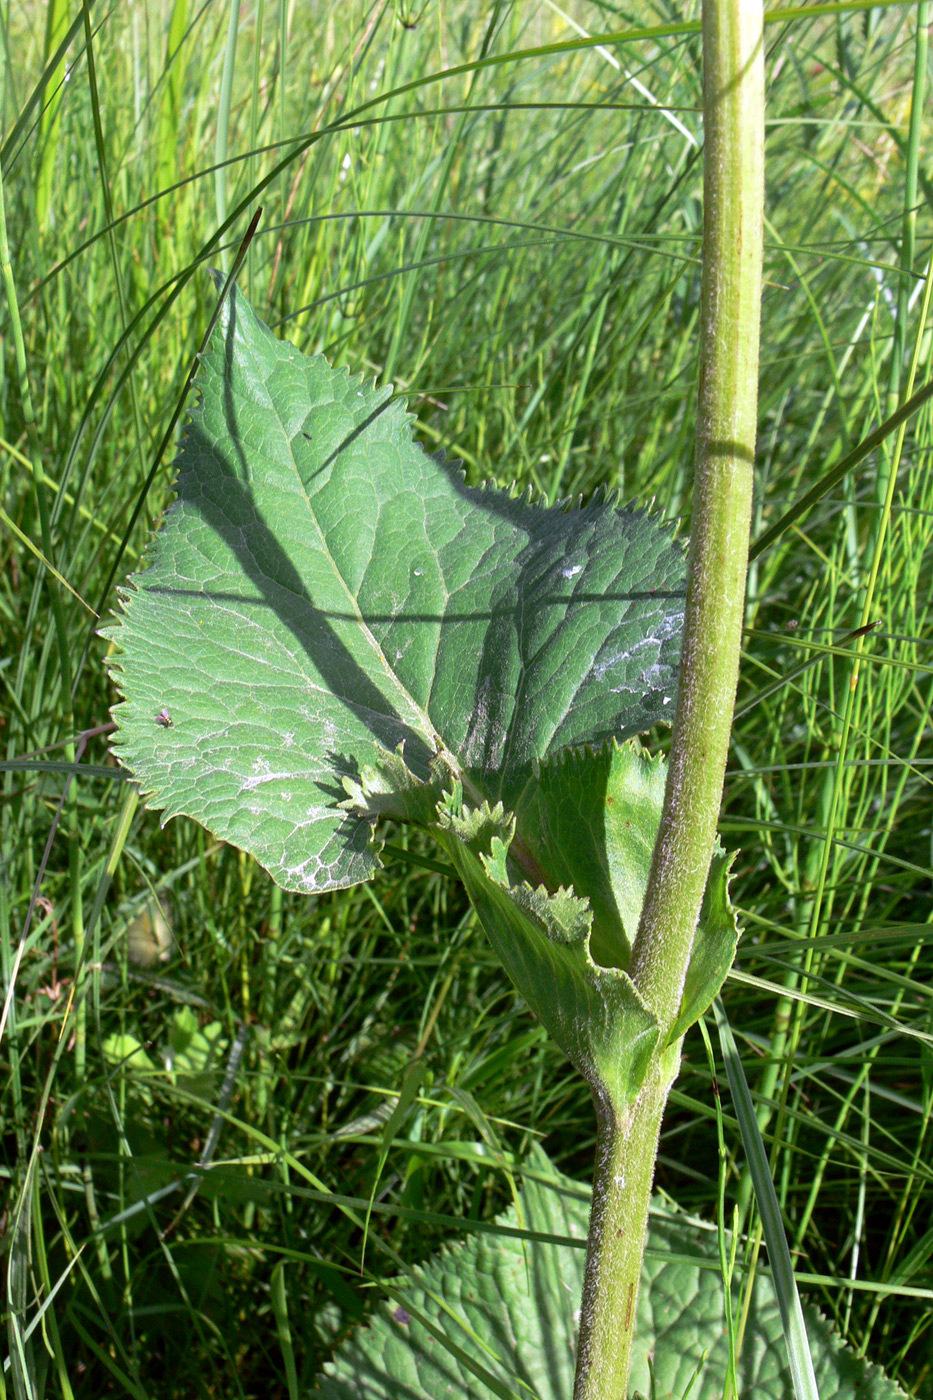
[(182, 1029), (593, 1013), (125, 1049), (559, 888), (584, 831), (590, 822), (713, 948), (193, 1049)]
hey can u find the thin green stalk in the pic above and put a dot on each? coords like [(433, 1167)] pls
[(733, 96), (172, 99), (909, 224), (52, 1335), (50, 121), (223, 118), (58, 611), (255, 121), (105, 189), (35, 450), (728, 1249), (800, 1360), (835, 785), (438, 195), (787, 1023)]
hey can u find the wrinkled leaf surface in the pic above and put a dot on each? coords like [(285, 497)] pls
[(323, 590), (513, 1325)]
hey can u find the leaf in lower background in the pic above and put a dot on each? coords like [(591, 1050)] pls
[(508, 1305), (323, 590), (125, 1049)]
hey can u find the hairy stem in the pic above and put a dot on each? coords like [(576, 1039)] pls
[(733, 103), (733, 189), (626, 1147)]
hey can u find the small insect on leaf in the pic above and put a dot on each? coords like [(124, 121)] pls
[(164, 718)]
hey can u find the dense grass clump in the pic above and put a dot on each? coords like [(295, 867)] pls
[(503, 219)]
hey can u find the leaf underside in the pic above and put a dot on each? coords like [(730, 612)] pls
[(495, 1316), (323, 590)]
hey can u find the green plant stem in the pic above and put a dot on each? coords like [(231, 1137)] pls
[(223, 119), (733, 186), (733, 100), (622, 1181)]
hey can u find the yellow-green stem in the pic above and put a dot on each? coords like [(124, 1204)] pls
[(626, 1148), (733, 102), (733, 99)]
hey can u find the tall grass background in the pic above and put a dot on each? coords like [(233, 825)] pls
[(482, 206)]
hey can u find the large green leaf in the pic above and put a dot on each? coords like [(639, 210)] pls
[(496, 1316), (323, 590)]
